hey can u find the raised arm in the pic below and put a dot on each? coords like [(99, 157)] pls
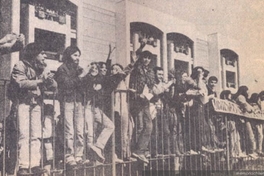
[(109, 59), (11, 43)]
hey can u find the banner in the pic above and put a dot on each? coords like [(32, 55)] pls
[(227, 107)]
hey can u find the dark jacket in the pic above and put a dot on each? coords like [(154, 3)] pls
[(69, 84), (139, 78), (95, 97)]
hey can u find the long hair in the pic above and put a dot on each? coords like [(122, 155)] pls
[(97, 65), (195, 72), (142, 55), (31, 51), (224, 94), (66, 56), (242, 90), (116, 64), (254, 98)]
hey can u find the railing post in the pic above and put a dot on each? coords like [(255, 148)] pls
[(227, 147), (113, 135), (4, 131)]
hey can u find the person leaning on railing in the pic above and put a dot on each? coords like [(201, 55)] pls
[(28, 80), (162, 119), (182, 103), (215, 122), (257, 125), (200, 141), (233, 123), (241, 98)]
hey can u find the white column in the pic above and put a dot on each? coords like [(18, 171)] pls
[(122, 34), (68, 32), (164, 56), (159, 55), (80, 26), (136, 44), (15, 28), (223, 74), (170, 55), (31, 28)]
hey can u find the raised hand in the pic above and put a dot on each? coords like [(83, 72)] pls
[(111, 49), (21, 37), (10, 37), (144, 40)]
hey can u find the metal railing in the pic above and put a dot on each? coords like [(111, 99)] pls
[(194, 140)]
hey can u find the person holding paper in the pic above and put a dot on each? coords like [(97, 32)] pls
[(142, 80)]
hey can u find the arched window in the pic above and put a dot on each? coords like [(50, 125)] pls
[(180, 52), (229, 60), (139, 30)]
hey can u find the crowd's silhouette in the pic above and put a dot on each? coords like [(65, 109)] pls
[(148, 118)]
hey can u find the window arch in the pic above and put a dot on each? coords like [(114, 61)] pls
[(230, 73), (139, 30)]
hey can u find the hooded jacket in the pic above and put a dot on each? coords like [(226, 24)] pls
[(23, 85)]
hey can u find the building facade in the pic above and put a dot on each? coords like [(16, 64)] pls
[(94, 24)]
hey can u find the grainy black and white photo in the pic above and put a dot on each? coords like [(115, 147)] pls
[(131, 87)]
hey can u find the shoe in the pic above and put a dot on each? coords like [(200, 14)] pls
[(118, 160), (130, 159), (71, 165), (191, 152), (204, 149), (38, 170), (87, 162), (261, 154), (218, 150), (98, 153), (97, 163), (253, 155), (242, 155), (148, 155), (159, 156), (80, 161), (22, 171), (141, 157)]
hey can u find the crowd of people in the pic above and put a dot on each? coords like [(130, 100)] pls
[(151, 117)]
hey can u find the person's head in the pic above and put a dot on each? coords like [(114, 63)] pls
[(103, 69), (35, 55), (48, 110), (158, 71), (116, 68), (212, 81), (226, 95), (184, 76), (254, 98), (94, 70), (206, 73), (197, 72), (72, 55), (261, 96), (145, 57), (242, 90)]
